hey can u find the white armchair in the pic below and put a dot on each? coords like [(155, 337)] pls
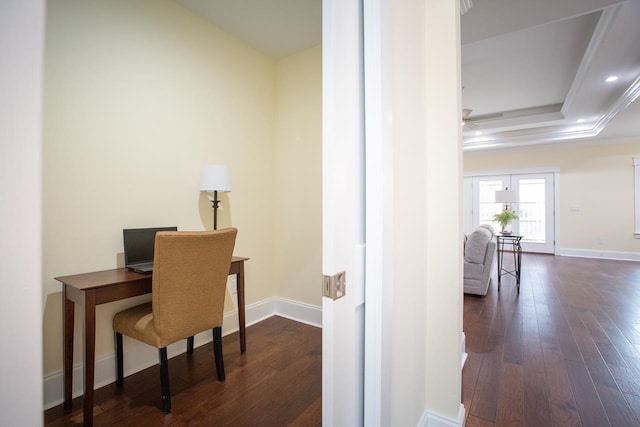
[(480, 260)]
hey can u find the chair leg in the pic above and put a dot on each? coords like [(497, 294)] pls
[(164, 380), (217, 352), (119, 359), (190, 345)]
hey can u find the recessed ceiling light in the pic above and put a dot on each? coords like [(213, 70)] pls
[(478, 133), (611, 79), (580, 121)]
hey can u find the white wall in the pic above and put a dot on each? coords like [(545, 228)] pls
[(21, 50), (298, 177)]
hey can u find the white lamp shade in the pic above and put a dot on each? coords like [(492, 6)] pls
[(507, 196), (215, 178)]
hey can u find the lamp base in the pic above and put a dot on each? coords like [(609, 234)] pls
[(215, 204)]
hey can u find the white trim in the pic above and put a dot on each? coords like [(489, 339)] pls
[(300, 312), (593, 253), (379, 213), (430, 419), (519, 171), (603, 27), (636, 196), (343, 208), (22, 31), (140, 356), (556, 210)]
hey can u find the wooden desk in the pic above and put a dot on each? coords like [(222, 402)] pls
[(91, 289)]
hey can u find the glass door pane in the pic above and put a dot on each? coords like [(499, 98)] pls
[(488, 205), (535, 207), (532, 210), (484, 199), (536, 211)]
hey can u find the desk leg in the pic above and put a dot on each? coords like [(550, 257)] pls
[(241, 308), (89, 331), (68, 307), (500, 254), (518, 250)]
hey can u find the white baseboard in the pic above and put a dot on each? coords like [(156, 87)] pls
[(430, 419), (139, 356), (300, 312), (592, 253)]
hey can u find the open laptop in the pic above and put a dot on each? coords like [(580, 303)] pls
[(138, 247)]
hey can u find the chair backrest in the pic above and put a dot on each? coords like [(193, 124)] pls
[(189, 280)]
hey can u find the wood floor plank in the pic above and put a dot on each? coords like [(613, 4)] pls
[(514, 340), (276, 382), (627, 380), (536, 411), (617, 407), (563, 407), (471, 369), (634, 404), (598, 370), (473, 421), (578, 321), (586, 397), (485, 397), (621, 343), (510, 398), (310, 417)]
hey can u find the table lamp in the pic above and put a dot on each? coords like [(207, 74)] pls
[(215, 178), (507, 215), (506, 197)]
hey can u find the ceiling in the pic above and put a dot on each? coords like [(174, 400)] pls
[(277, 28), (533, 71)]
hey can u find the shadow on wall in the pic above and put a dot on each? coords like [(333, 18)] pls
[(205, 208)]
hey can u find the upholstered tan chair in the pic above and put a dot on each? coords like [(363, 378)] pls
[(188, 289)]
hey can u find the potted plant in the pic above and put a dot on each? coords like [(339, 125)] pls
[(504, 218)]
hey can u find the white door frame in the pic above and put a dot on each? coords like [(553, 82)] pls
[(343, 198), (555, 170), (340, 19), (379, 214), (22, 31), (373, 391)]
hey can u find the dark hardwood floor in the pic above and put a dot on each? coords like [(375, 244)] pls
[(277, 382), (564, 352)]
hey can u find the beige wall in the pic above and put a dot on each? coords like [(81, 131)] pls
[(298, 177), (427, 276), (597, 178), (139, 96)]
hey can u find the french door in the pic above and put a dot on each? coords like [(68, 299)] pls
[(535, 206)]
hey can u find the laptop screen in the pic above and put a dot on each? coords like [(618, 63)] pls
[(139, 243)]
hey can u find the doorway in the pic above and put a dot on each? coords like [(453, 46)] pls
[(535, 206)]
